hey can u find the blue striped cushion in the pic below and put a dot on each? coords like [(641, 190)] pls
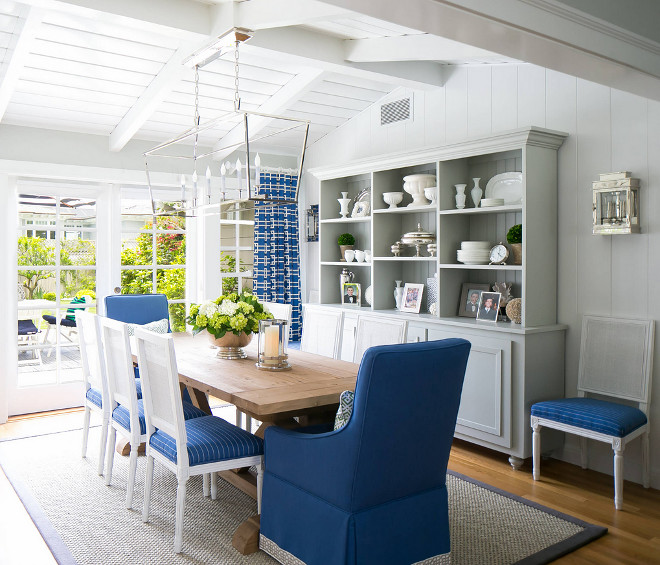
[(138, 387), (592, 414), (94, 396), (210, 439), (121, 415)]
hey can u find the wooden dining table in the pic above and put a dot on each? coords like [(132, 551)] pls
[(308, 392)]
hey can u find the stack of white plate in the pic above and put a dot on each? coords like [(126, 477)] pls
[(474, 252), (490, 202)]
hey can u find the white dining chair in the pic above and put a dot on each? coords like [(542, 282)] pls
[(373, 331), (200, 446), (322, 331), (97, 395)]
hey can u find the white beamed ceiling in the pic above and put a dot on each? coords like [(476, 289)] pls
[(84, 71)]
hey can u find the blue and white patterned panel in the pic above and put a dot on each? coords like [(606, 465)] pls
[(276, 251)]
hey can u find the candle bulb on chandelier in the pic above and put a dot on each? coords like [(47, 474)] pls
[(194, 188), (257, 170), (183, 189), (208, 184)]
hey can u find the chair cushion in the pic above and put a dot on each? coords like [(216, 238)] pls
[(592, 414), (138, 387), (63, 322), (346, 399), (94, 396), (122, 417), (71, 312), (159, 327), (27, 327), (210, 439)]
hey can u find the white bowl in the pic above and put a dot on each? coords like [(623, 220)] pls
[(392, 198), (415, 185), (471, 245)]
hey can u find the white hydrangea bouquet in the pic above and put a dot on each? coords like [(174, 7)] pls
[(231, 313)]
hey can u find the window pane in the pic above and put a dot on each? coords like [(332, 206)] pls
[(70, 364), (136, 249), (37, 283), (171, 248), (137, 281), (178, 317), (77, 214), (35, 251), (77, 283), (172, 283), (78, 248)]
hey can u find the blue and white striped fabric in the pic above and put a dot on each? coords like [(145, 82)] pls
[(276, 253), (592, 414), (210, 439), (138, 386), (122, 417), (94, 396)]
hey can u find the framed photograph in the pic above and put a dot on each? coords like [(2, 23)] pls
[(489, 306), (468, 306), (412, 297), (351, 295)]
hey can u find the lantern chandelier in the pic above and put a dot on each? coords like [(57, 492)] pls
[(241, 183)]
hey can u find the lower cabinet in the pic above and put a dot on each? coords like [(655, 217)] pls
[(509, 369)]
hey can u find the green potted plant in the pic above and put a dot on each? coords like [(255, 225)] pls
[(514, 238), (345, 241)]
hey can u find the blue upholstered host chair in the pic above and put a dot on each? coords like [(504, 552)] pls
[(372, 492)]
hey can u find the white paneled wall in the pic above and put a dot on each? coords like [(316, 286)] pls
[(609, 130)]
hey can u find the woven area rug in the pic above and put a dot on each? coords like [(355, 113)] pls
[(85, 522)]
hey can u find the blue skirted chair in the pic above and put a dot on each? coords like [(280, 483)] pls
[(373, 491)]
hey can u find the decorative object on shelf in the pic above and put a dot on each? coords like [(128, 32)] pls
[(468, 304), (514, 310), (507, 186), (474, 252), (392, 199), (398, 294), (345, 277), (312, 222), (460, 195), (272, 354), (343, 204), (418, 238), (360, 206), (514, 239), (616, 204), (431, 292), (230, 321), (498, 254), (359, 256), (432, 248), (345, 241), (397, 248), (244, 125), (489, 306), (431, 192), (349, 255), (415, 185), (491, 202), (367, 255), (476, 192), (369, 295), (351, 294), (411, 300), (504, 288), (433, 309)]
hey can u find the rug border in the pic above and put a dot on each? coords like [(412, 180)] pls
[(60, 551), (590, 532)]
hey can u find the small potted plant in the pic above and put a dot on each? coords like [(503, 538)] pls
[(345, 241), (514, 238)]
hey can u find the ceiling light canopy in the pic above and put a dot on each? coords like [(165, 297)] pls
[(218, 47)]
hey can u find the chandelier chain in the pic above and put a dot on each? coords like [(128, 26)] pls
[(237, 98), (196, 117)]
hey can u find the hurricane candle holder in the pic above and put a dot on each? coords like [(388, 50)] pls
[(272, 354)]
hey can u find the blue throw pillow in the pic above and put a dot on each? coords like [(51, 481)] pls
[(345, 409)]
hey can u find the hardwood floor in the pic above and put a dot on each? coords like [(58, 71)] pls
[(634, 531)]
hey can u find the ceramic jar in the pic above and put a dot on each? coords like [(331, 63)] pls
[(476, 192)]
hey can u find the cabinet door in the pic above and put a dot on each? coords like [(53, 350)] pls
[(485, 410), (415, 334), (348, 338)]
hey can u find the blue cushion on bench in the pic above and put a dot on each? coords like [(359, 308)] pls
[(592, 414), (122, 417), (27, 327), (210, 439), (94, 396)]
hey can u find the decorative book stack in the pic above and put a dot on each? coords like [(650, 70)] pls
[(616, 204)]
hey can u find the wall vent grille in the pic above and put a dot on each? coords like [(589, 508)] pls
[(397, 111)]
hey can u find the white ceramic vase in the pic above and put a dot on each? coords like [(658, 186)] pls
[(476, 192), (343, 204), (359, 256), (398, 294), (349, 255)]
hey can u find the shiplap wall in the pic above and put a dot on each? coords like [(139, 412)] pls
[(609, 130)]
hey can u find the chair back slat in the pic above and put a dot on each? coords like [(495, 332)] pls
[(161, 394), (616, 358), (119, 365), (373, 331), (322, 331), (91, 353)]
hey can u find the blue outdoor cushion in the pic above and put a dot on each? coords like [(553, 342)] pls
[(210, 439), (592, 414), (63, 322), (122, 417), (94, 396), (27, 327)]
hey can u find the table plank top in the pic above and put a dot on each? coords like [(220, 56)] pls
[(314, 381)]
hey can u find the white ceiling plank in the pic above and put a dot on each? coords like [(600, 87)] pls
[(19, 55), (262, 14), (420, 47), (316, 119), (60, 114), (59, 124), (209, 96), (314, 50), (227, 83), (5, 40), (155, 93), (54, 102), (8, 22), (280, 101), (313, 108), (70, 93), (83, 83), (336, 101)]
